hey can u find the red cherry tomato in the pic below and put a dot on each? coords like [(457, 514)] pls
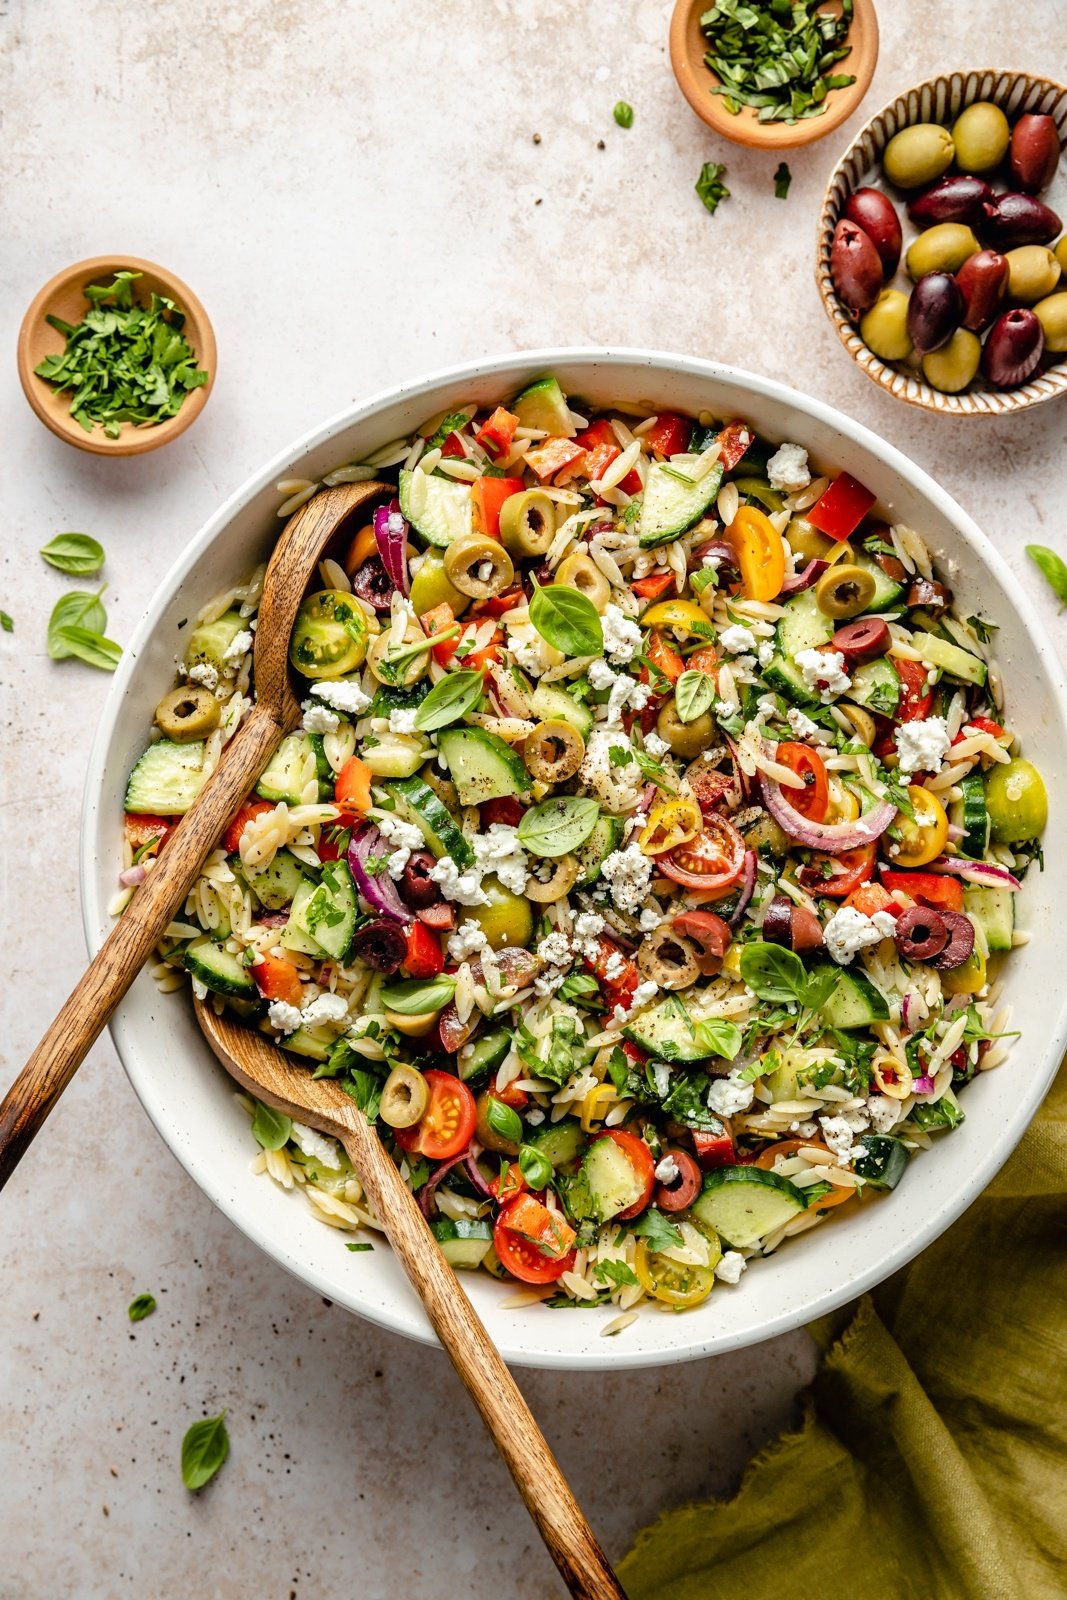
[(813, 799), (141, 828), (507, 810), (734, 440), (446, 1126), (640, 1158), (712, 861), (670, 434), (619, 988), (423, 958), (916, 696), (838, 875), (531, 1242), (709, 933), (936, 891), (682, 1190), (714, 1149)]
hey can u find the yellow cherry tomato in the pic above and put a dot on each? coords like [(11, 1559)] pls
[(673, 823), (680, 614), (670, 1281), (922, 837), (595, 1105), (843, 805), (969, 978), (760, 553)]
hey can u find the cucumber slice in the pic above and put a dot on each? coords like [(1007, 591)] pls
[(219, 970), (785, 678), (887, 592), (167, 779), (464, 1241), (667, 1032), (477, 1061), (855, 1002), (330, 913), (295, 935), (209, 642), (549, 704), (289, 770), (884, 1164), (275, 886), (420, 805), (745, 1204), (950, 658), (542, 404), (804, 626), (611, 1179), (308, 1042), (438, 508), (605, 838), (559, 1142), (994, 911), (483, 767), (970, 814), (672, 503), (876, 685), (395, 755)]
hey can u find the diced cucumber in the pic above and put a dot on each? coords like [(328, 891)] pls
[(884, 1164), (611, 1178), (478, 1060), (786, 679), (887, 592), (330, 913), (950, 658), (542, 404), (418, 802), (209, 642), (970, 814), (309, 1042), (167, 779), (673, 502), (876, 685), (438, 508), (219, 970), (295, 935), (854, 1002), (276, 885), (483, 767), (745, 1204), (559, 1142), (667, 1032), (550, 704), (395, 755), (994, 911), (803, 626), (605, 838), (464, 1241), (290, 769)]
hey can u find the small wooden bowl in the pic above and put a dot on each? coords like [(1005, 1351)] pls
[(938, 100), (696, 81), (64, 297)]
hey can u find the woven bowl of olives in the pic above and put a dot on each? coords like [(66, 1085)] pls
[(942, 255)]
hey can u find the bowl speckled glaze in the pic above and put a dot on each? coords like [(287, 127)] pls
[(190, 1099), (939, 100)]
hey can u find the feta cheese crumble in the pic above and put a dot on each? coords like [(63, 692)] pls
[(788, 469), (823, 670), (318, 1148), (737, 640), (849, 931), (728, 1096), (467, 940), (205, 675), (343, 696), (921, 746), (319, 719), (655, 746), (555, 950), (730, 1267), (600, 674), (238, 645), (622, 637), (402, 719), (326, 1008), (403, 836), (838, 1136), (629, 872), (667, 1169), (802, 726), (283, 1016)]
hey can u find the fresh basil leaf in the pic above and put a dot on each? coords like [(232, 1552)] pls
[(78, 609), (773, 972), (718, 1037), (577, 985), (558, 826), (1052, 568), (74, 552), (6, 623), (140, 1307), (504, 1120), (567, 620), (693, 694), (710, 187), (449, 700), (271, 1128), (411, 997), (535, 1167), (661, 1234), (91, 647), (817, 990), (365, 1089), (782, 179), (617, 1273), (204, 1449)]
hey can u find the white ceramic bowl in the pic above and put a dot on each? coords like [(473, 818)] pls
[(189, 1098)]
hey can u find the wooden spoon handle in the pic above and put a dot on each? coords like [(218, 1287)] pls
[(571, 1542), (131, 941)]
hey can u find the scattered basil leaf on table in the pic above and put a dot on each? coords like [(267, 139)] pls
[(661, 1234), (782, 179), (91, 647), (271, 1128), (74, 552), (447, 701), (6, 622), (567, 620), (623, 114), (142, 1306), (412, 996), (204, 1449), (1052, 568), (558, 826), (693, 694), (709, 185), (78, 609), (503, 1120)]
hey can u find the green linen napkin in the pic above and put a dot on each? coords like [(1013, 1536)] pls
[(932, 1461)]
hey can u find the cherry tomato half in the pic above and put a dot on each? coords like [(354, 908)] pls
[(640, 1158), (760, 553), (812, 800), (838, 875), (531, 1257), (713, 861), (446, 1126), (916, 696)]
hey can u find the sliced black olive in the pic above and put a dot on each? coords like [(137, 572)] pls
[(921, 934), (864, 640), (417, 888), (372, 583), (930, 594), (380, 944), (960, 940)]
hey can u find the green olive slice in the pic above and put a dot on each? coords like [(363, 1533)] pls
[(187, 713), (553, 751), (528, 523), (545, 891), (405, 1097), (844, 591), (479, 566), (668, 958), (582, 573)]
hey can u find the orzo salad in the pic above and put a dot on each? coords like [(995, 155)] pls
[(644, 859)]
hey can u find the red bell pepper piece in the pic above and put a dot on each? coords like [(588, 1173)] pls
[(142, 828), (670, 434), (277, 979), (545, 460), (601, 449), (654, 585), (487, 496), (438, 620), (734, 440), (452, 446), (499, 604), (842, 508), (983, 724), (934, 890), (424, 958), (618, 989), (497, 432), (665, 659), (714, 1149)]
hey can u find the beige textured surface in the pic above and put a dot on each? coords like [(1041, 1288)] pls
[(351, 188)]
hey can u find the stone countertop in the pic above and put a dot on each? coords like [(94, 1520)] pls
[(355, 192)]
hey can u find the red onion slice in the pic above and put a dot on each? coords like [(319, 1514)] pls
[(923, 1085), (130, 877), (986, 873), (427, 1199), (748, 884), (379, 890), (797, 581), (391, 534), (834, 838), (474, 1172)]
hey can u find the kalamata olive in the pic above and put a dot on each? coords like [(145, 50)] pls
[(983, 282), (953, 364), (778, 921), (918, 155), (884, 328), (372, 583), (417, 888), (941, 249), (958, 199), (380, 944), (1013, 219), (1012, 351), (806, 929), (960, 943), (935, 311), (921, 933), (862, 640), (1052, 315), (1033, 273), (876, 214), (679, 1192), (710, 934), (930, 594), (1035, 152), (855, 268), (980, 133)]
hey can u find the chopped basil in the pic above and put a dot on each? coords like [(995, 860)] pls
[(782, 179), (356, 1245), (710, 187), (661, 1234), (6, 623), (776, 58)]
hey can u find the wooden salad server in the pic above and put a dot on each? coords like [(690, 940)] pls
[(267, 1072)]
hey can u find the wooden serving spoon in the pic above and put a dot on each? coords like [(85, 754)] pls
[(273, 1077)]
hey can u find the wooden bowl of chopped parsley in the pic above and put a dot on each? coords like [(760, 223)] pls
[(774, 74), (116, 356)]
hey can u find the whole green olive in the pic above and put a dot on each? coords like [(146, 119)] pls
[(918, 155), (884, 328), (507, 919), (981, 135), (527, 523), (687, 739), (1052, 315), (844, 591), (806, 541), (941, 249), (1017, 802), (582, 573), (431, 586), (1033, 273), (951, 367), (187, 713)]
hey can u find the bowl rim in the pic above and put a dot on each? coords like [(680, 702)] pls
[(132, 441), (913, 389), (212, 1179)]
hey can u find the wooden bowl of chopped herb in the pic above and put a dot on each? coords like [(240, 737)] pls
[(116, 356), (774, 74)]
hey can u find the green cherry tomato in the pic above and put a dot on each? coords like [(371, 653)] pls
[(329, 636), (508, 918), (1017, 802)]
